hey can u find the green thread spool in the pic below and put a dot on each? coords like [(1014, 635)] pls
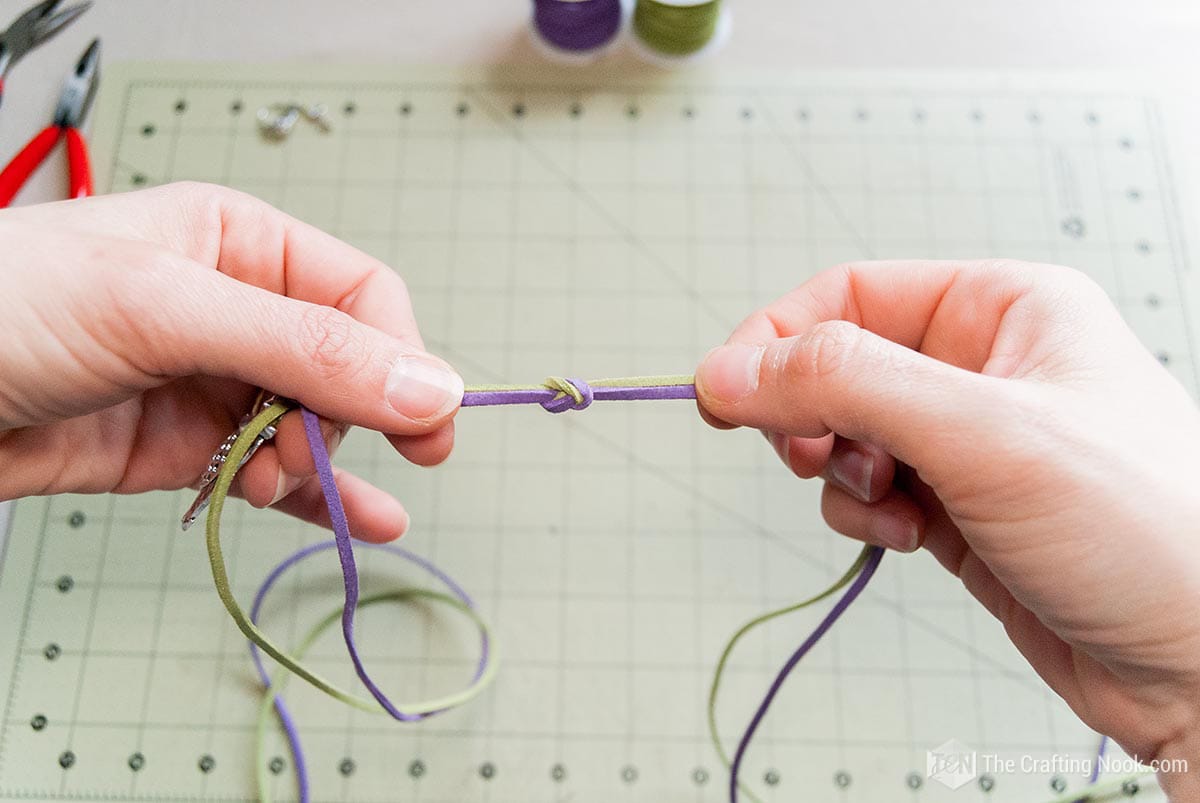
[(681, 28)]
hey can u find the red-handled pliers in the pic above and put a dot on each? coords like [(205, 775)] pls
[(77, 95), (33, 27)]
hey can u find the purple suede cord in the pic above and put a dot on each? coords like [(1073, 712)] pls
[(557, 402), (551, 400), (835, 612), (554, 401), (341, 536), (281, 710), (285, 717), (577, 25), (1095, 776)]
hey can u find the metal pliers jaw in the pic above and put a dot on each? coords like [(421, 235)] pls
[(79, 90), (33, 28)]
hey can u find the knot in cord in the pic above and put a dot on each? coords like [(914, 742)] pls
[(573, 394)]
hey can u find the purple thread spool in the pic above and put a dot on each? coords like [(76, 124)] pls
[(577, 26)]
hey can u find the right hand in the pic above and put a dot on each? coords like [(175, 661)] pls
[(1003, 415)]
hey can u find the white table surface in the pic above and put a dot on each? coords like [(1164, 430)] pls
[(1157, 39), (1161, 36)]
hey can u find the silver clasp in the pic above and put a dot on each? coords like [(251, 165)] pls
[(276, 121), (208, 479)]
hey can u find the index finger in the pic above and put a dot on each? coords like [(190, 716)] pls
[(947, 310), (251, 241), (255, 243), (313, 266)]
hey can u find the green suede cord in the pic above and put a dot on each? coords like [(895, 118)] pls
[(221, 580), (291, 664), (280, 681), (715, 689), (558, 383)]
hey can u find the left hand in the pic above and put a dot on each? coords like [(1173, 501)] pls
[(138, 328)]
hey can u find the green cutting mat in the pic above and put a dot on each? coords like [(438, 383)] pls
[(550, 226)]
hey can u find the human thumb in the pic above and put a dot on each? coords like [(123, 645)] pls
[(838, 377), (342, 368)]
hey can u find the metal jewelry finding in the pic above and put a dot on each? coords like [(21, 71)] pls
[(276, 121), (208, 479)]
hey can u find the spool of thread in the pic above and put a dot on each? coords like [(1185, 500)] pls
[(680, 30), (576, 30)]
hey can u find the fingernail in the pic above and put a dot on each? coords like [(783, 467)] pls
[(852, 470), (335, 440), (782, 444), (281, 488), (894, 532), (402, 525), (421, 387), (730, 372)]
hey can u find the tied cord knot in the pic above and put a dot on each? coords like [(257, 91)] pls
[(573, 394)]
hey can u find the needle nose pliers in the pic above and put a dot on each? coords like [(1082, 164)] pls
[(78, 92), (32, 28)]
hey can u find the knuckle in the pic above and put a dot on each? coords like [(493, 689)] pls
[(1079, 282), (332, 341), (758, 321), (824, 351), (1008, 278), (1003, 267), (845, 270), (1012, 276), (1059, 288), (200, 208), (1030, 274), (209, 205), (197, 195)]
